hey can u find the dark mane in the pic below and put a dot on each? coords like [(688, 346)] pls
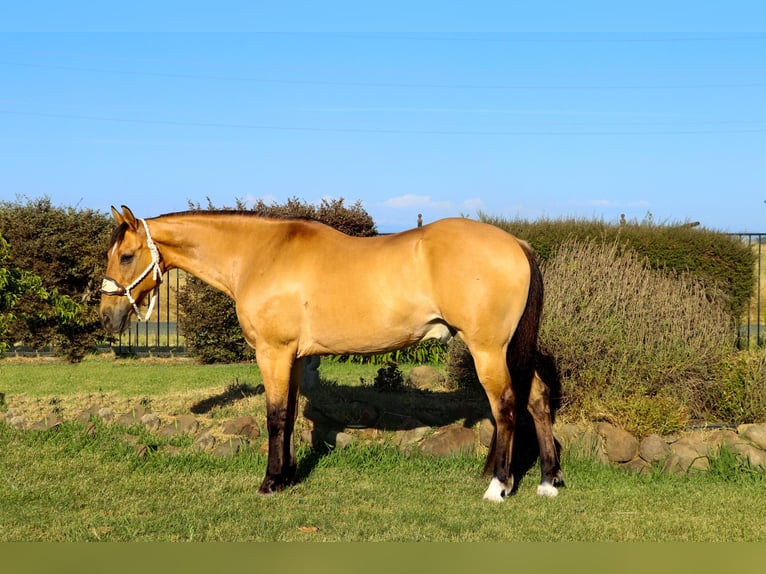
[(239, 213), (118, 234)]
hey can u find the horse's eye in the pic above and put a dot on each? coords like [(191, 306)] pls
[(126, 258)]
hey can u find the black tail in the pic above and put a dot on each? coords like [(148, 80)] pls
[(522, 351)]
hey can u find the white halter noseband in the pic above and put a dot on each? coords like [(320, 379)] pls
[(111, 287)]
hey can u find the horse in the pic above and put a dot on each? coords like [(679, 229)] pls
[(304, 289)]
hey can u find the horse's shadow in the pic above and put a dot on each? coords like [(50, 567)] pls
[(334, 408)]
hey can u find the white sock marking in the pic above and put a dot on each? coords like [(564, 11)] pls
[(547, 489), (495, 491)]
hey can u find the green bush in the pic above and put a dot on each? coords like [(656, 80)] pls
[(65, 248), (209, 324), (208, 317), (722, 263), (737, 393), (389, 379)]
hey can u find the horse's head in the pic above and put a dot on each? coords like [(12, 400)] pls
[(132, 271)]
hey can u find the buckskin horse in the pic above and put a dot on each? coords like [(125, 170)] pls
[(303, 288)]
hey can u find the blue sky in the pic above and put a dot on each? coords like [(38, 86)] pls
[(548, 109)]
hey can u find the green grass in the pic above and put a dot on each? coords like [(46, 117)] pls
[(68, 485), (72, 483)]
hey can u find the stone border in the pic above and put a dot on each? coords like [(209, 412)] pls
[(679, 453)]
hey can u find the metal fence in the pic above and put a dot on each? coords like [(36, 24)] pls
[(752, 330), (160, 335)]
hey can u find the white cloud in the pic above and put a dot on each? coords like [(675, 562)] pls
[(409, 200), (426, 202), (608, 203)]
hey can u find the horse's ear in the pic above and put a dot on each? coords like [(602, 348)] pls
[(129, 218), (117, 215)]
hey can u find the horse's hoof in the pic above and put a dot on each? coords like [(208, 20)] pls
[(547, 489), (269, 487), (496, 491)]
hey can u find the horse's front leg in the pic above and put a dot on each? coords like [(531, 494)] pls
[(281, 374)]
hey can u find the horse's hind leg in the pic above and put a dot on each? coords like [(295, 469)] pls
[(539, 408), (495, 378)]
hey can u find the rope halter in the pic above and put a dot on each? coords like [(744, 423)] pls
[(111, 287)]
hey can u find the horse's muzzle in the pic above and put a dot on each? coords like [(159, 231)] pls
[(114, 319)]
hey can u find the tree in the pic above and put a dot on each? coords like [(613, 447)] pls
[(64, 249), (16, 284)]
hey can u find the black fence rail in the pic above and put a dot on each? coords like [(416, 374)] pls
[(752, 330), (160, 335)]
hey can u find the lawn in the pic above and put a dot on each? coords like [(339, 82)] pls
[(80, 482)]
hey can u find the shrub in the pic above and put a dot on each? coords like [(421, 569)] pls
[(209, 324), (208, 317), (64, 247), (722, 263), (461, 370), (737, 393), (619, 330), (389, 379)]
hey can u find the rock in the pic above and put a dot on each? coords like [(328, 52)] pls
[(486, 432), (722, 437), (756, 434), (339, 439), (205, 441), (755, 456), (314, 438), (86, 415), (408, 437), (426, 378), (619, 444), (653, 449), (151, 422), (637, 465), (449, 440), (133, 417), (694, 441), (106, 414), (686, 454), (360, 415), (243, 426), (229, 447), (182, 424), (49, 422), (567, 434)]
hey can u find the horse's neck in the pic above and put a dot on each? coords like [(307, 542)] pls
[(199, 245)]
